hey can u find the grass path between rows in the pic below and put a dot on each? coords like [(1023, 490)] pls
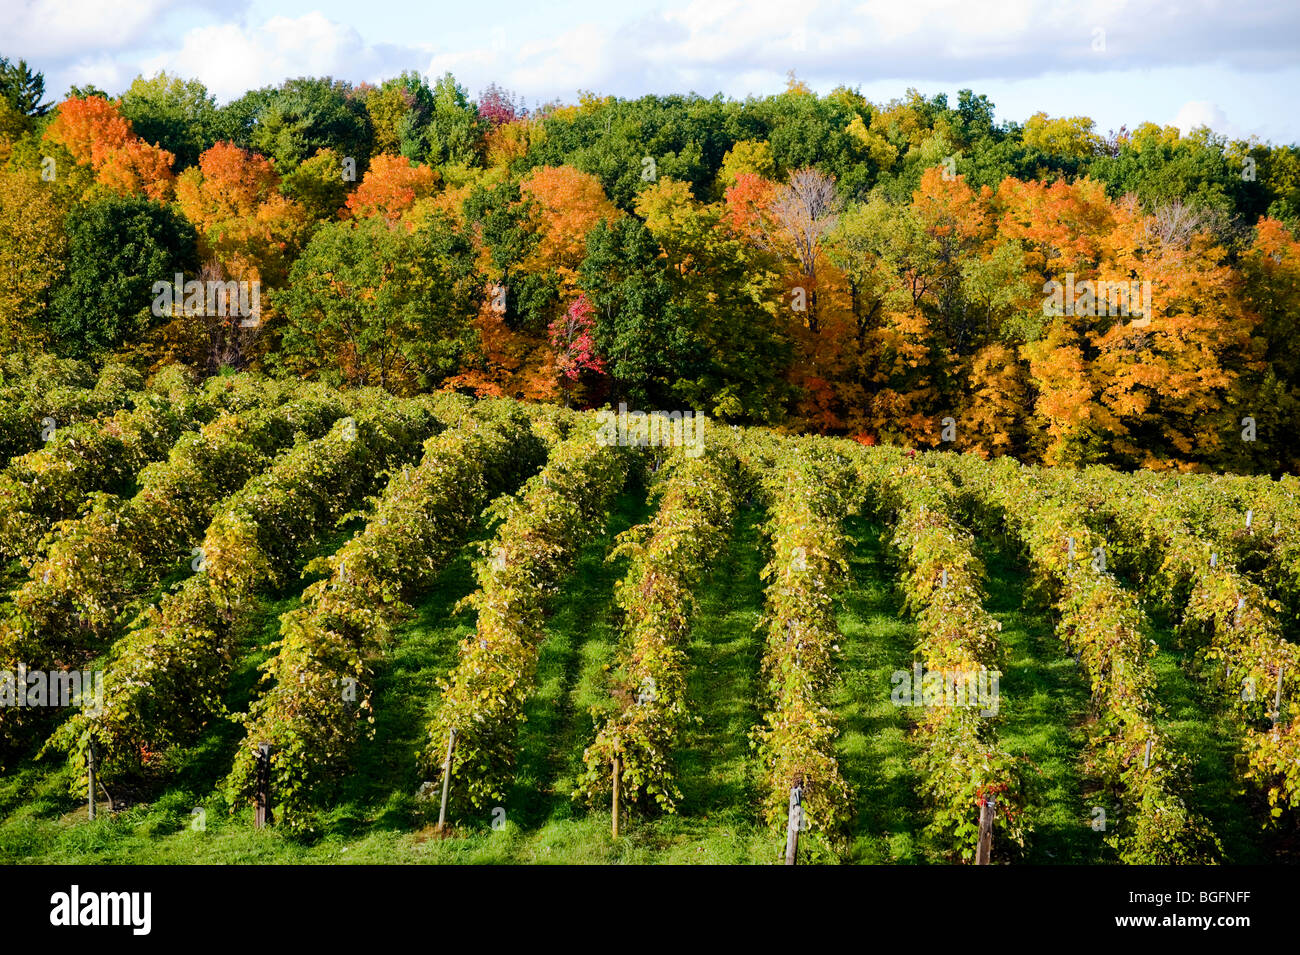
[(1043, 709), (1200, 728), (874, 747)]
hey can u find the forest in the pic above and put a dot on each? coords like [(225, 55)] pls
[(911, 272)]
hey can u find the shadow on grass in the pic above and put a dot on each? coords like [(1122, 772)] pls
[(1043, 707), (875, 748), (715, 765)]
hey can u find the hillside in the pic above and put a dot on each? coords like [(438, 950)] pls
[(724, 613)]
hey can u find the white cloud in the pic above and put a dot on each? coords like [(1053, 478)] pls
[(231, 59), (735, 47), (1196, 113), (62, 28), (101, 71), (709, 44)]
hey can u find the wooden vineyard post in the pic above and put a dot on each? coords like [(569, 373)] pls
[(90, 775), (793, 822), (1277, 697), (446, 781), (984, 851), (617, 767), (263, 817)]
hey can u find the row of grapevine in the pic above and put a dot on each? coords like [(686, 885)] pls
[(1254, 519), (256, 533), (24, 380), (65, 612), (50, 484), (19, 368), (669, 556), (319, 701), (960, 763), (1193, 573), (1251, 630), (1103, 624), (42, 487), (166, 677), (541, 532), (53, 394), (807, 493)]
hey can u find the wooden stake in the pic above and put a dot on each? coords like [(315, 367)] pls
[(984, 850), (446, 781), (614, 820), (792, 826), (1146, 760), (90, 775), (263, 816), (1277, 697)]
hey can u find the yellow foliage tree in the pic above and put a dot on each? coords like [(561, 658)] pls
[(33, 247)]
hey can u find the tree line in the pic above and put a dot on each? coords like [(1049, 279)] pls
[(908, 272)]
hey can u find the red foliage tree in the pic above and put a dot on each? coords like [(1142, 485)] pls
[(575, 348), (498, 106)]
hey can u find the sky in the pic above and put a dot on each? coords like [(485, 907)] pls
[(1232, 66)]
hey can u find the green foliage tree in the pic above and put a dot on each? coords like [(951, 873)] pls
[(397, 109), (117, 249), (648, 339), (809, 131), (448, 131), (1159, 166), (629, 144), (306, 115), (318, 185), (378, 304), (506, 221), (727, 292), (23, 88), (81, 92), (237, 120), (177, 114)]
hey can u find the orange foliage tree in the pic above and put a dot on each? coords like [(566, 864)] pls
[(390, 188), (243, 220), (571, 203), (95, 134), (1271, 289)]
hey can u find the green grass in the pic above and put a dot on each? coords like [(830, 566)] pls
[(1200, 730), (1043, 706), (725, 659), (875, 748)]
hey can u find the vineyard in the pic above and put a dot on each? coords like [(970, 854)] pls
[(337, 625)]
